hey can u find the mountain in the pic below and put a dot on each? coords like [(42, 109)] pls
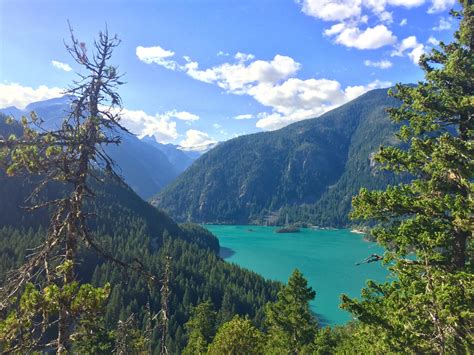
[(308, 170), (143, 166), (131, 229), (181, 157), (177, 157)]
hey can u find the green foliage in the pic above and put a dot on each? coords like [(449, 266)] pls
[(144, 167), (291, 325), (237, 337), (71, 161), (93, 337), (40, 305), (129, 227), (426, 225), (310, 170), (200, 328)]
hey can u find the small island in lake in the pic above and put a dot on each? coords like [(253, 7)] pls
[(288, 229)]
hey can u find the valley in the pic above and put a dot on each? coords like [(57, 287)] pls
[(308, 170), (234, 178)]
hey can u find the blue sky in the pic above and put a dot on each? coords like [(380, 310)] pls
[(201, 71)]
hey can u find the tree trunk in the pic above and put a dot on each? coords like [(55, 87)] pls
[(64, 327)]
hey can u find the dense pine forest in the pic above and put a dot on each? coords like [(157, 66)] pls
[(308, 170), (88, 267), (129, 228)]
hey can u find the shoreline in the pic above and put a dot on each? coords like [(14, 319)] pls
[(226, 253), (314, 252)]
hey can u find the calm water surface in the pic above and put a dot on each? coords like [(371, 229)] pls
[(327, 259)]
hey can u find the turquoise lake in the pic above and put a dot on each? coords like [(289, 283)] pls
[(327, 258)]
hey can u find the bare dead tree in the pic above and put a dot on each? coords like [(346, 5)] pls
[(164, 312), (72, 155)]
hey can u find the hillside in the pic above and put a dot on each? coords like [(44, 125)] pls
[(178, 158), (130, 228), (309, 169), (144, 167)]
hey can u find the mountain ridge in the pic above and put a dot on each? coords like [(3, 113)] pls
[(264, 176), (131, 229), (144, 167)]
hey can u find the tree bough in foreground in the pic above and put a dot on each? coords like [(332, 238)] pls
[(43, 292), (429, 307)]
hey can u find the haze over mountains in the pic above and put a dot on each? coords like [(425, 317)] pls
[(146, 165), (309, 170)]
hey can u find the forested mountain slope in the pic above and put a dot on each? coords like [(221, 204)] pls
[(130, 228), (178, 158), (309, 169), (145, 168)]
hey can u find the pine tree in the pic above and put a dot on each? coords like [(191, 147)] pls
[(200, 328), (237, 337), (429, 308), (72, 157), (291, 326)]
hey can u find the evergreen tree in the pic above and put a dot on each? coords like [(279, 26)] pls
[(429, 308), (291, 326), (70, 156), (200, 328), (237, 337)]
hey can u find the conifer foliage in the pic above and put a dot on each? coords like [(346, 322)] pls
[(72, 155), (292, 327), (237, 336), (201, 327), (427, 224)]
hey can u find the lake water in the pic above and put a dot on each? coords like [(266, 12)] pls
[(326, 258)]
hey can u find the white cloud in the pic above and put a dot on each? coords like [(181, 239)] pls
[(330, 10), (239, 77), (137, 121), (296, 95), (160, 125), (62, 66), (234, 77), (370, 38), (222, 54), (443, 24), (156, 55), (195, 139), (183, 115), (355, 11), (416, 53), (405, 3), (297, 99), (143, 124), (335, 29), (433, 41), (14, 94), (247, 116), (272, 84), (382, 64), (350, 19), (440, 5), (411, 48), (244, 57)]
